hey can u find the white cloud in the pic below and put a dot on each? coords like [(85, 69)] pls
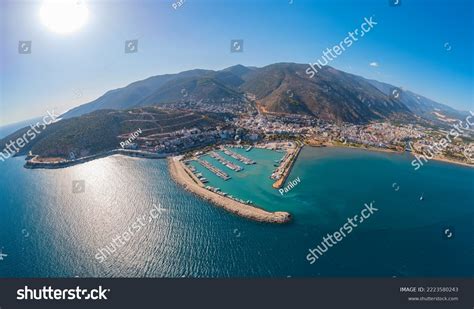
[(374, 64)]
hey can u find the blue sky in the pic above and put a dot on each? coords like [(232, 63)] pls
[(66, 70)]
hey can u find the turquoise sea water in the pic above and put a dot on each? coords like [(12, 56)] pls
[(48, 231)]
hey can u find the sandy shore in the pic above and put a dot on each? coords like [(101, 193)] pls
[(184, 177), (446, 160)]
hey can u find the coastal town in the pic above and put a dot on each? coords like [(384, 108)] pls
[(250, 129), (283, 133)]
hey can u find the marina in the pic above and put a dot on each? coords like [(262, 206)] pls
[(237, 156), (264, 155), (225, 162), (281, 162), (185, 174), (213, 169), (275, 161)]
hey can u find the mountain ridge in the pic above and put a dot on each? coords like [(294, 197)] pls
[(284, 88)]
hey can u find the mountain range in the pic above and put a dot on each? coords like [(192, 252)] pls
[(283, 88), (277, 89)]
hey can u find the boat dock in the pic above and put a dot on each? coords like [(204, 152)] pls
[(237, 156), (213, 169), (225, 162)]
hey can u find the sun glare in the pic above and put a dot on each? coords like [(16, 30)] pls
[(64, 16)]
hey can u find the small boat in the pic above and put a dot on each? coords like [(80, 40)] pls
[(421, 197)]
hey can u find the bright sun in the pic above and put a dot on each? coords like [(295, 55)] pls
[(64, 16)]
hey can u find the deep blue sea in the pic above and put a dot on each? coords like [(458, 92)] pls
[(46, 230)]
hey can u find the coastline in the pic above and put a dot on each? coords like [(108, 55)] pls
[(183, 177), (449, 161), (33, 163), (385, 150)]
